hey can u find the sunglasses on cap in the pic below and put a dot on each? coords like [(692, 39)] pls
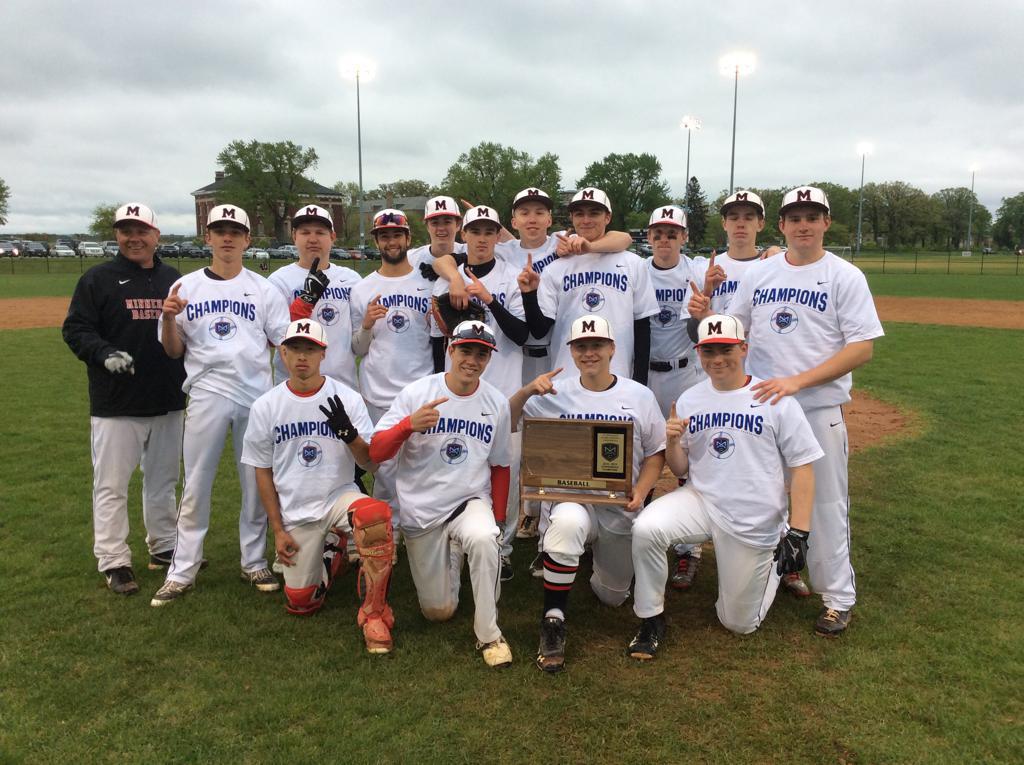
[(392, 219), (474, 332)]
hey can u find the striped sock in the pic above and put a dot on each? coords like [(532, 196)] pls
[(558, 579)]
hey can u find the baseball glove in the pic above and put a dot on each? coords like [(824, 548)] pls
[(448, 316)]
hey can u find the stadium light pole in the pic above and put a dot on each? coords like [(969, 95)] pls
[(864, 148), (970, 210), (733, 65), (356, 67), (689, 124)]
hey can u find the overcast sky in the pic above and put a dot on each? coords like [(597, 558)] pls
[(106, 102)]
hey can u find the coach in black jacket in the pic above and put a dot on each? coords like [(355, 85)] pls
[(135, 398)]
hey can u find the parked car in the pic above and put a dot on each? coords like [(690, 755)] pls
[(258, 253), (90, 250), (190, 250), (35, 250), (61, 251), (9, 249), (340, 253), (110, 248), (284, 251)]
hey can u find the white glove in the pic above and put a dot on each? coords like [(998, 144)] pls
[(119, 362)]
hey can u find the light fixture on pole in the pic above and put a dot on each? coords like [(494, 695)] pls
[(733, 65), (970, 210), (689, 124), (863, 148), (355, 67)]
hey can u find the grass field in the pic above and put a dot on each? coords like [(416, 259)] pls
[(930, 671)]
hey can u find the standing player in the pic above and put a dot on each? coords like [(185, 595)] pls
[(812, 321), (135, 396), (390, 319), (303, 466), (449, 437), (222, 319), (735, 451), (597, 394), (615, 286), (493, 286), (313, 234)]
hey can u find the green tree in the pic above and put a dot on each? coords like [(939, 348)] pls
[(5, 197), (1008, 230), (412, 187), (266, 179), (696, 205), (102, 225), (899, 212), (842, 204), (954, 206), (491, 174), (632, 181)]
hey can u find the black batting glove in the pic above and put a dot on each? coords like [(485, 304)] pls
[(427, 272), (315, 284), (339, 420), (791, 553)]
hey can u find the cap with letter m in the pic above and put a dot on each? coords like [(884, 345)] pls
[(389, 218), (306, 329), (225, 214), (720, 329), (438, 206), (810, 196), (480, 213), (743, 197), (312, 214), (135, 212), (590, 195), (473, 332), (590, 327), (669, 215), (533, 195)]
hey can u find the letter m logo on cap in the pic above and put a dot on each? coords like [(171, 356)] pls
[(589, 326), (440, 204), (303, 328), (803, 195), (228, 212), (132, 211), (668, 212), (533, 192), (588, 194), (741, 196), (714, 327), (312, 210), (483, 212)]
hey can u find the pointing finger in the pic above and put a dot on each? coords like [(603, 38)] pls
[(174, 291), (436, 402), (375, 300), (672, 412), (694, 289), (529, 261), (555, 373)]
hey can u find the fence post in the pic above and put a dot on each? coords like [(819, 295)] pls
[(982, 260), (915, 261), (47, 263), (883, 261), (1016, 270), (949, 254)]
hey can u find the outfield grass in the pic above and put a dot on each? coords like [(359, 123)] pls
[(930, 670)]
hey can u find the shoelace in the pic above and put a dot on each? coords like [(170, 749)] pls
[(831, 615)]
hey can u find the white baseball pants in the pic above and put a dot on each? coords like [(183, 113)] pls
[(208, 417), (669, 386), (119, 445), (435, 560), (747, 581), (512, 509)]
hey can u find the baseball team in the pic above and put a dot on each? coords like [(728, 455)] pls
[(734, 371)]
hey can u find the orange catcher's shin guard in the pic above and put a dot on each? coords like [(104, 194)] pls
[(303, 601), (371, 530)]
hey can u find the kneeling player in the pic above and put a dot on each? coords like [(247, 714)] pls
[(451, 459), (736, 451), (596, 394), (304, 468)]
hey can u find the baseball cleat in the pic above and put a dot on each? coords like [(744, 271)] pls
[(496, 653), (262, 579), (169, 590), (686, 571), (121, 580), (832, 623), (377, 631), (551, 653), (527, 528), (537, 567), (644, 645), (795, 585), (507, 572), (162, 560)]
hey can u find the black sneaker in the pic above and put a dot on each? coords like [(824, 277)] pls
[(832, 622), (163, 560), (507, 572), (551, 654), (121, 580), (645, 645)]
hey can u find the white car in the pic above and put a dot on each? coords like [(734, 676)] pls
[(257, 253), (110, 248), (90, 249), (61, 251)]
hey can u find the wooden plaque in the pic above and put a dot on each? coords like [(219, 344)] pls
[(587, 461)]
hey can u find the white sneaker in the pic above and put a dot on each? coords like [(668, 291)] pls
[(169, 590), (496, 653)]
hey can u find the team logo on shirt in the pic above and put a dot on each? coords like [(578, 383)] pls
[(593, 300), (309, 454), (327, 314), (722, 446), (784, 320), (454, 451), (223, 328), (398, 321), (665, 316)]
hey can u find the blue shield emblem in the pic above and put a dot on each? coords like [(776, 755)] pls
[(664, 316), (720, 445), (309, 453), (222, 328), (453, 450), (592, 299), (397, 321), (783, 319), (328, 313)]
